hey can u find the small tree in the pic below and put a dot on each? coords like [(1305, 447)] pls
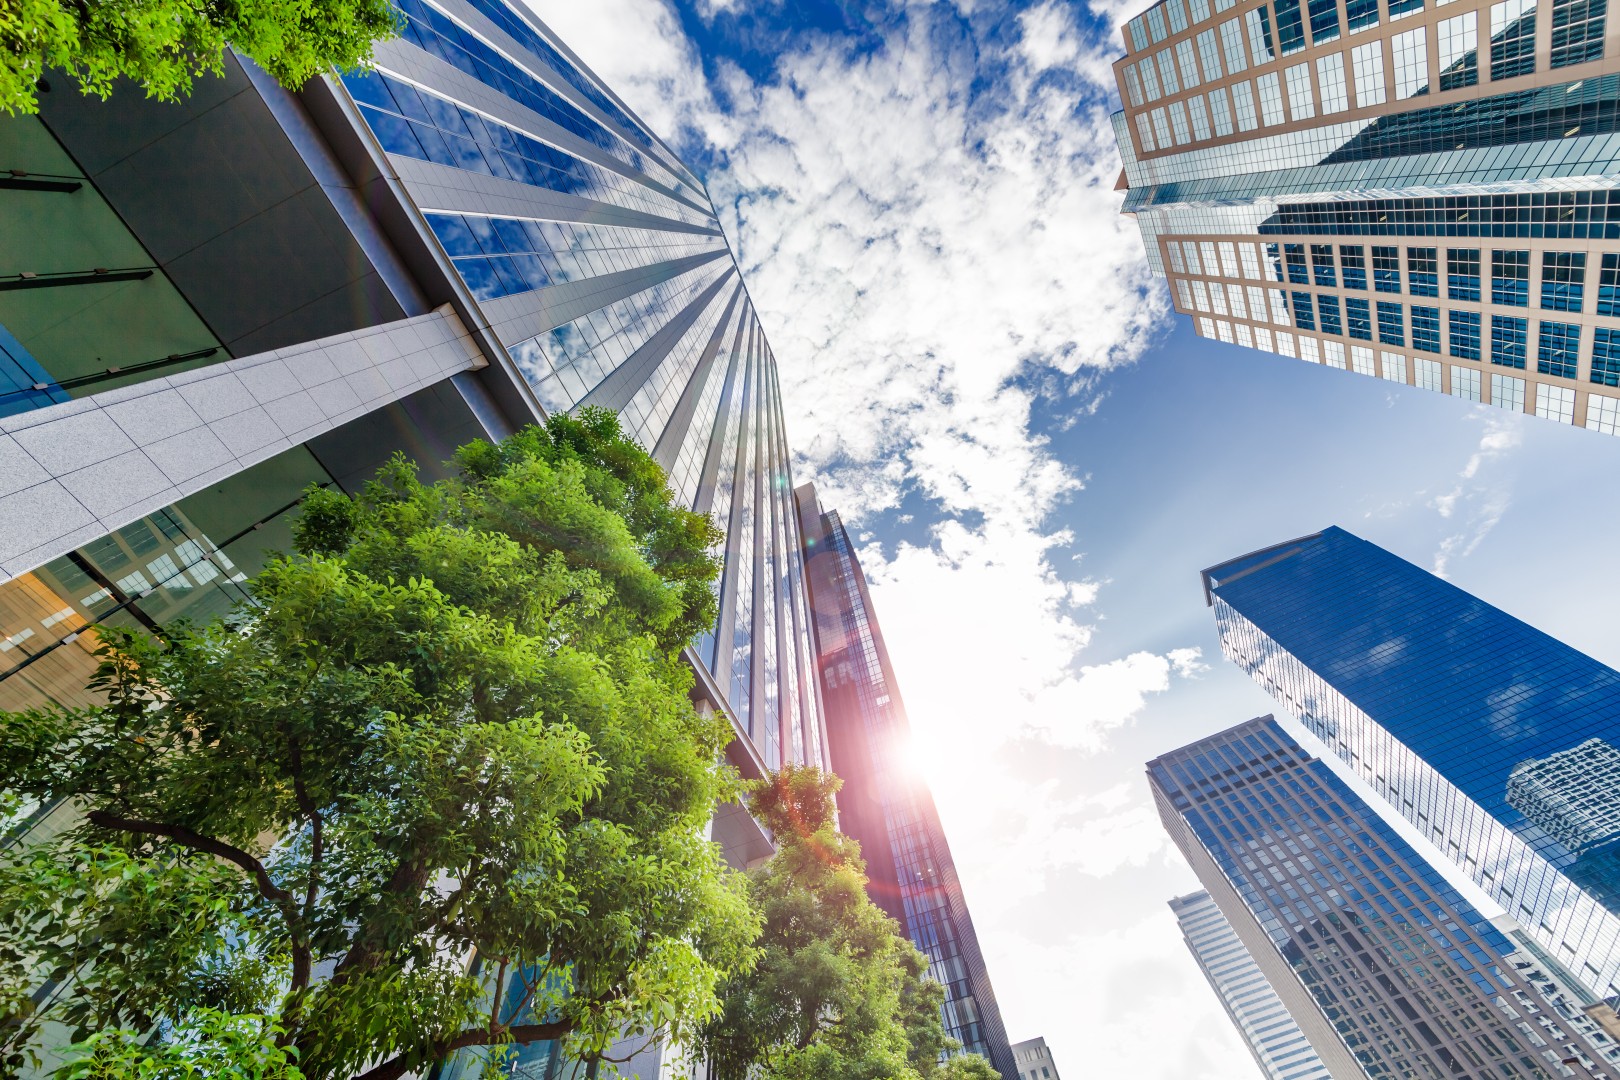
[(455, 725), (838, 993), (164, 44)]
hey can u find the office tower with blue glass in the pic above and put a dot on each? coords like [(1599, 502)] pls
[(1413, 190), (1385, 968), (1495, 740), (1279, 1047), (884, 804), (207, 306)]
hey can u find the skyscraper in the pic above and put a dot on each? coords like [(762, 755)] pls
[(1384, 966), (1486, 734), (1415, 191), (884, 804), (1279, 1047), (1034, 1060), (207, 306)]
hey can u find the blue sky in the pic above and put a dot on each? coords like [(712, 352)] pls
[(982, 377)]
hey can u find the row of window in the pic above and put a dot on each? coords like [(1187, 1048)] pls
[(1462, 335), (1219, 52), (1507, 391), (1562, 280), (1550, 215)]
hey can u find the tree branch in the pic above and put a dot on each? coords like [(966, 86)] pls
[(397, 1067), (208, 845)]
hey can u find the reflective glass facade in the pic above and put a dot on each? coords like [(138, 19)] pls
[(1495, 123), (1486, 734), (883, 804), (1411, 978), (1278, 1045)]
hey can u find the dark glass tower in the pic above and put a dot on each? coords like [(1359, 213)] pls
[(883, 804), (1494, 739), (1388, 971)]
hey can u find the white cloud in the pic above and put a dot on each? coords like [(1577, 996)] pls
[(1479, 499)]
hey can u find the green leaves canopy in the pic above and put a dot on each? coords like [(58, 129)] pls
[(838, 993), (164, 44), (456, 724)]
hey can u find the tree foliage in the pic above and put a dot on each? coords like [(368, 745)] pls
[(454, 724), (838, 992), (164, 44)]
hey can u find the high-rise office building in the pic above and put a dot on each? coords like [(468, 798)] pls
[(207, 306), (1415, 190), (1387, 970), (884, 804), (1034, 1061), (1279, 1047), (1488, 735)]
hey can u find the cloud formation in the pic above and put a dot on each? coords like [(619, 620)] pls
[(1475, 504)]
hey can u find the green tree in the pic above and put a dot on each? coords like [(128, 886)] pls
[(164, 44), (456, 724), (966, 1067), (838, 993)]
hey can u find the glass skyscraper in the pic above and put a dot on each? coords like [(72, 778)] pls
[(1414, 190), (209, 305), (1279, 1047), (1387, 970), (1494, 739), (884, 804)]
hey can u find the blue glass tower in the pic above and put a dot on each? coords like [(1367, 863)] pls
[(1387, 970), (1494, 739)]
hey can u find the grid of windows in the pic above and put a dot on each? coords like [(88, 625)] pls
[(1510, 278), (1387, 269), (1391, 330), (1508, 338), (1558, 348), (1464, 326), (1563, 279), (1608, 297), (1577, 31), (1462, 274), (1513, 38), (1423, 273), (1606, 356), (1426, 328)]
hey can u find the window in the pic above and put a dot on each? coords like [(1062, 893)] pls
[(1464, 334), (1155, 18), (1367, 61), (1387, 269), (1426, 328), (1200, 10), (1462, 273), (1558, 349), (1392, 366), (1353, 261), (1294, 254), (1428, 373), (1605, 357), (1209, 51), (1556, 403), (1411, 51), (1324, 21), (1200, 118), (1608, 298), (1178, 122), (1290, 26), (1513, 38), (1465, 383), (1360, 14), (1187, 64), (1258, 21), (1361, 360), (1161, 128), (1301, 105), (1399, 9), (1144, 133), (1232, 46), (1322, 265), (1563, 280), (1139, 38), (1359, 317), (1327, 309), (1423, 272), (1243, 105), (1510, 278), (1220, 112), (1391, 331), (1251, 262), (1167, 73), (1133, 86), (1271, 110), (1459, 51), (1577, 31), (1302, 311), (1229, 263), (1178, 15), (1508, 337), (1150, 79), (1507, 392), (1330, 73)]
